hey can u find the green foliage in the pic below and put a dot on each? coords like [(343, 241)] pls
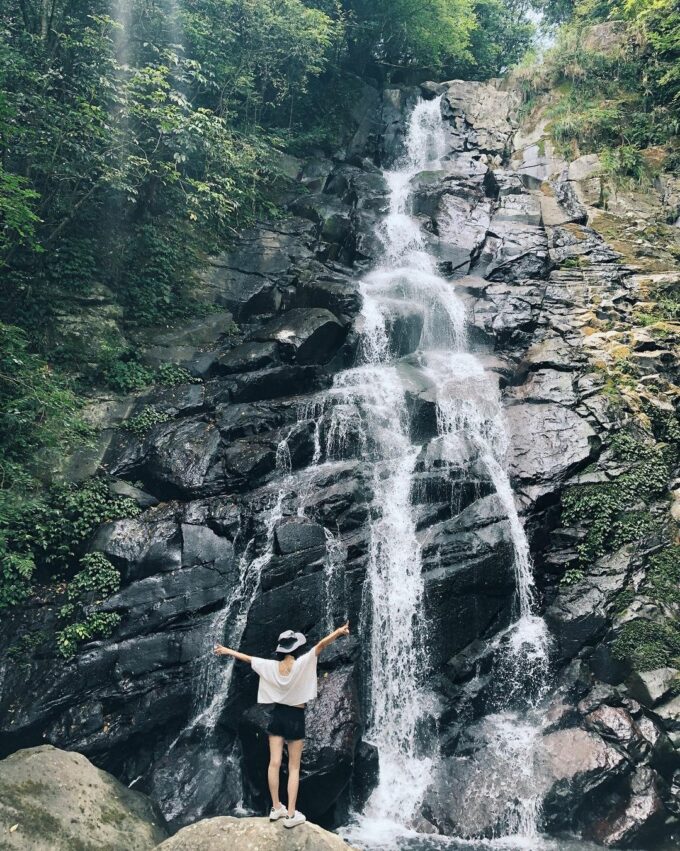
[(81, 619), (663, 576), (145, 421), (97, 576), (572, 577), (48, 531), (625, 161), (70, 515), (95, 625), (617, 100), (38, 411), (609, 511), (647, 644), (171, 375), (125, 372)]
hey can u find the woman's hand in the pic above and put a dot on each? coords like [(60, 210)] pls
[(219, 650), (333, 636)]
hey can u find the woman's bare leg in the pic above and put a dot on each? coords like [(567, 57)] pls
[(294, 757), (275, 753)]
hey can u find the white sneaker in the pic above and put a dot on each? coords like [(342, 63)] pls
[(278, 812), (292, 821)]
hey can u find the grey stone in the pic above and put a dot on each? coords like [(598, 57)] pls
[(54, 800), (222, 832), (143, 499), (247, 357), (310, 335), (294, 536), (651, 687), (549, 442)]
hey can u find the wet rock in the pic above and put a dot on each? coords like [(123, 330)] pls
[(404, 325), (275, 383), (669, 713), (182, 400), (183, 458), (574, 764), (53, 800), (216, 834), (247, 357), (579, 615), (639, 818), (306, 335), (292, 537), (366, 773), (244, 280), (651, 687), (338, 295), (614, 723), (549, 442), (140, 547)]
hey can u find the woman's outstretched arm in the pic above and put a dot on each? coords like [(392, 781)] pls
[(227, 651), (331, 637)]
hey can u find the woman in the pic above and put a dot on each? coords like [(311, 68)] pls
[(288, 682)]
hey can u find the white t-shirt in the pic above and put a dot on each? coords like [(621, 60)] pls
[(298, 687)]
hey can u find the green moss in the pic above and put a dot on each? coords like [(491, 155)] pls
[(145, 421), (35, 821), (113, 817), (663, 576), (648, 644), (623, 600), (608, 510)]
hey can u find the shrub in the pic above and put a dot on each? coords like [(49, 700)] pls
[(648, 644), (81, 618), (607, 510), (145, 420), (171, 374), (95, 625)]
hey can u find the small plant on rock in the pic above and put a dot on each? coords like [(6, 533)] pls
[(145, 421), (83, 621)]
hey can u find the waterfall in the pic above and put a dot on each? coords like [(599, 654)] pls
[(370, 410)]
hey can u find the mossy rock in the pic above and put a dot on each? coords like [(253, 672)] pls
[(54, 800)]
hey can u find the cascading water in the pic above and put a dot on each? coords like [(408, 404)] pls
[(366, 413), (370, 408)]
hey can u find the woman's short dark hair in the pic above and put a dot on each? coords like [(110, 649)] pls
[(294, 653)]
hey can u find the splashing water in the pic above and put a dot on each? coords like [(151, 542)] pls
[(369, 415)]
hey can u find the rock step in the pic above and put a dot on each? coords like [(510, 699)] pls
[(239, 834)]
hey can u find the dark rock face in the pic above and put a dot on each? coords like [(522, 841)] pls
[(333, 728), (238, 540)]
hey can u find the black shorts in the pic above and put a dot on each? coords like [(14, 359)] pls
[(287, 721)]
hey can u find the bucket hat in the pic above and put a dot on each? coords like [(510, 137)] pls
[(289, 641)]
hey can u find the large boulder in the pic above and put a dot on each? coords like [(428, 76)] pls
[(258, 834), (549, 442), (306, 334), (54, 800)]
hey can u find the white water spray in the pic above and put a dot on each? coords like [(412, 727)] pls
[(370, 411)]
